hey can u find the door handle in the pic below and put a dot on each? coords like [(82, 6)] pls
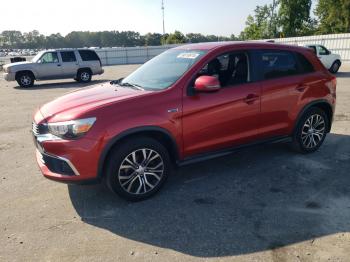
[(59, 65), (301, 88), (251, 98)]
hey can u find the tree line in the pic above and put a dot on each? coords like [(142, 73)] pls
[(34, 40), (282, 18), (290, 18)]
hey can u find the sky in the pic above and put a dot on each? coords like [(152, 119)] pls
[(219, 17)]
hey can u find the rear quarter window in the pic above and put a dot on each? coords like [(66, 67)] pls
[(87, 55), (305, 65)]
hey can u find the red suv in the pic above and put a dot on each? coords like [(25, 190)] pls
[(187, 104)]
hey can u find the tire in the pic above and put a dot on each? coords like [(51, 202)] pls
[(25, 80), (127, 168), (84, 76), (311, 131), (335, 67)]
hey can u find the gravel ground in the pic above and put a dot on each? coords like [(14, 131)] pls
[(261, 204)]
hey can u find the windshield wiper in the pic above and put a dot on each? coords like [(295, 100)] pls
[(135, 86), (116, 82)]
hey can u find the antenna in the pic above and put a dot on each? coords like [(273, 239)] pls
[(163, 17)]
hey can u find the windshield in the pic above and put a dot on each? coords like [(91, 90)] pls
[(163, 70), (37, 57)]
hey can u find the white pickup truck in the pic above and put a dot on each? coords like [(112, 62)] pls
[(331, 61)]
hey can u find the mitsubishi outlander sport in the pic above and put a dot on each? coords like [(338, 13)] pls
[(79, 64), (190, 103)]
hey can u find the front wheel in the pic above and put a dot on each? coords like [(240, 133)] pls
[(311, 131), (137, 169), (25, 80), (335, 67)]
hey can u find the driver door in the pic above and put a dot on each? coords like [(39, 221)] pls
[(49, 66), (228, 117), (325, 57)]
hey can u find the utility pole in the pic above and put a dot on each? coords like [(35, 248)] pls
[(163, 17), (272, 22)]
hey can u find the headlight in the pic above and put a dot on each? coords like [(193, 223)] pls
[(71, 129)]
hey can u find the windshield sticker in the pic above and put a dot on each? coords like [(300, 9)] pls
[(188, 55)]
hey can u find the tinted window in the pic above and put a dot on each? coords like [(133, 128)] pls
[(278, 64), (68, 56), (50, 57), (304, 65), (230, 69), (87, 55)]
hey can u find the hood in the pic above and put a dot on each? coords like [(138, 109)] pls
[(16, 64), (76, 103)]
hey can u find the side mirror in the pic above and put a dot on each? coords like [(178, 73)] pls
[(207, 84)]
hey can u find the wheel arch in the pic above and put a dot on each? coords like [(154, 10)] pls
[(157, 133), (84, 68), (322, 104), (18, 73)]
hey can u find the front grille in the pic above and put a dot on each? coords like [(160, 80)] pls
[(57, 165), (39, 129)]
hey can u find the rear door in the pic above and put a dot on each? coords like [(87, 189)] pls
[(325, 56), (283, 84), (70, 64)]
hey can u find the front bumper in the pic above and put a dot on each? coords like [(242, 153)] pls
[(9, 76), (70, 161)]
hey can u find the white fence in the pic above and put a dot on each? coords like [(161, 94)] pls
[(130, 55), (337, 43)]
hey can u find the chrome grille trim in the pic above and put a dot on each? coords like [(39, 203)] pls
[(39, 129), (35, 129)]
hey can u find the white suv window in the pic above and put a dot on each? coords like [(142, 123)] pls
[(50, 57), (68, 56)]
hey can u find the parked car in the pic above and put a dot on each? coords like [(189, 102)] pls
[(80, 64), (331, 61), (188, 104)]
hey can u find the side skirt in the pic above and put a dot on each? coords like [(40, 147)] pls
[(224, 152)]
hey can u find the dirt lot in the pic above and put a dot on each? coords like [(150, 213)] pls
[(262, 204)]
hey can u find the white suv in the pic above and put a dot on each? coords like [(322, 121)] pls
[(331, 61), (79, 64)]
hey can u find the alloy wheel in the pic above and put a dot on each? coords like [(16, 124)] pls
[(25, 80), (85, 76), (313, 131), (141, 171)]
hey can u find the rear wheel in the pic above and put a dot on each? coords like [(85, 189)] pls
[(335, 67), (137, 169), (25, 80), (84, 76), (311, 131)]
